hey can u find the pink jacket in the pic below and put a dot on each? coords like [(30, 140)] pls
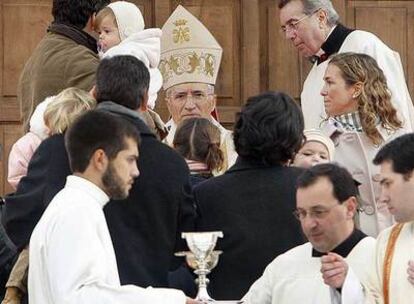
[(19, 157), (24, 148)]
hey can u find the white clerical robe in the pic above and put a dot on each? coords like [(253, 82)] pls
[(388, 60), (226, 142), (400, 289), (72, 259), (295, 277)]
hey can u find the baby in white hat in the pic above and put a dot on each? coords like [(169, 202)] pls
[(120, 26), (318, 149)]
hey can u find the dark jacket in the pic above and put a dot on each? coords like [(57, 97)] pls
[(252, 204), (46, 176), (144, 228)]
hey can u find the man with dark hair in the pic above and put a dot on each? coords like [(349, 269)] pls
[(128, 87), (392, 271), (71, 253), (252, 203), (314, 29), (146, 227), (66, 57), (326, 200)]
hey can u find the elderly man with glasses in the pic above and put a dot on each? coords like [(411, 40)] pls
[(330, 267), (190, 60), (313, 28)]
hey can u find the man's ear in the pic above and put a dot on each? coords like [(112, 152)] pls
[(213, 102), (99, 160), (91, 22), (144, 103), (322, 16), (351, 206), (93, 92)]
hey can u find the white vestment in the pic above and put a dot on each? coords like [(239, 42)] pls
[(401, 291), (72, 259), (295, 277), (226, 142), (388, 60)]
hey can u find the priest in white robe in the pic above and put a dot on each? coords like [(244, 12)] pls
[(326, 207), (72, 259), (190, 61), (392, 275), (314, 29)]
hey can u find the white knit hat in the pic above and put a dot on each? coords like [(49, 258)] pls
[(189, 52), (37, 121), (128, 17), (318, 136)]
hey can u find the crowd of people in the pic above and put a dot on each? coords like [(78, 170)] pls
[(313, 199)]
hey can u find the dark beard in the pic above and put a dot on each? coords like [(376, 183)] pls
[(113, 184)]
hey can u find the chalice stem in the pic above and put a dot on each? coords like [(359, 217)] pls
[(202, 294)]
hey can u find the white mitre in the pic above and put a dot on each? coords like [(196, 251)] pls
[(189, 52)]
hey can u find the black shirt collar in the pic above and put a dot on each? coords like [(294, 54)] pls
[(346, 246), (334, 41)]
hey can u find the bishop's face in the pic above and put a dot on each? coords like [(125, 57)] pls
[(190, 100)]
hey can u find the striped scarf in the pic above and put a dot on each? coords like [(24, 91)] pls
[(350, 121)]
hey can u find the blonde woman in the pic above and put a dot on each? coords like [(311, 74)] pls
[(360, 119)]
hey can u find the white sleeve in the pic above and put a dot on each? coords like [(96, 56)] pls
[(352, 291), (261, 290), (78, 270)]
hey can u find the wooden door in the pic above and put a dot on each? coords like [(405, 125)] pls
[(22, 25)]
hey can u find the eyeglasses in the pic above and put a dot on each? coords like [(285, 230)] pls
[(293, 25), (317, 213), (196, 96)]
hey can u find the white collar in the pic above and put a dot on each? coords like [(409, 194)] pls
[(82, 184)]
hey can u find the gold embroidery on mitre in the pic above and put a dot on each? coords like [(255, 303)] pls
[(190, 63), (182, 34)]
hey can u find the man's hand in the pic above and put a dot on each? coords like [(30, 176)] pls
[(334, 270), (410, 272), (192, 301)]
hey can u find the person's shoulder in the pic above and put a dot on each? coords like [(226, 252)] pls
[(62, 48), (294, 171), (28, 142), (54, 141), (166, 158), (361, 39), (299, 251), (384, 235)]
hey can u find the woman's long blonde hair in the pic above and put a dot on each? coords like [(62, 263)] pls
[(374, 100)]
